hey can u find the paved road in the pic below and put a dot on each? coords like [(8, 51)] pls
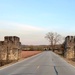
[(45, 63)]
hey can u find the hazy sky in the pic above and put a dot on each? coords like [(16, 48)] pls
[(32, 19)]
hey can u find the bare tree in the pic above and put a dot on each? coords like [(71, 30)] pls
[(54, 38)]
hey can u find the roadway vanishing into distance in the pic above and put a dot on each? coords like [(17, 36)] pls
[(45, 63)]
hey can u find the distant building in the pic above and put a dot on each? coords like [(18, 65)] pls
[(10, 48), (69, 47)]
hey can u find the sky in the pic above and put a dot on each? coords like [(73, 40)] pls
[(32, 19)]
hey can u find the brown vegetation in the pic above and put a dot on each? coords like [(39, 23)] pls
[(26, 54)]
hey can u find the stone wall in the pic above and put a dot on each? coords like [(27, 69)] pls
[(10, 48), (69, 46)]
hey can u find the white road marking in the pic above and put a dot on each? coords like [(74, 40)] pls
[(38, 67)]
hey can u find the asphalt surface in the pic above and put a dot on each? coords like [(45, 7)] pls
[(45, 63)]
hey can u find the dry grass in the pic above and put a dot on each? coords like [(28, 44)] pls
[(25, 54), (70, 61)]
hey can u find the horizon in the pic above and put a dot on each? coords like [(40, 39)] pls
[(31, 20)]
